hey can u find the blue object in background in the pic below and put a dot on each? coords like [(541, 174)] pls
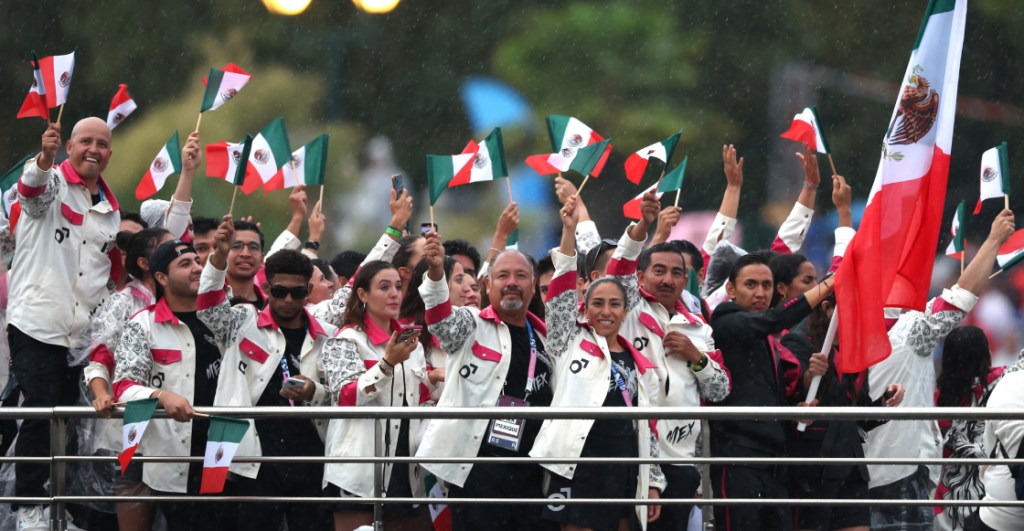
[(492, 103)]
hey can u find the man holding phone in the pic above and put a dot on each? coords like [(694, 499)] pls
[(271, 358)]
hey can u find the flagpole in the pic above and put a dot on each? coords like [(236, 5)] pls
[(199, 120), (508, 182), (962, 253), (833, 164), (996, 274), (677, 198), (60, 113), (584, 183), (432, 224), (233, 196), (830, 337), (198, 414), (1006, 198), (321, 197)]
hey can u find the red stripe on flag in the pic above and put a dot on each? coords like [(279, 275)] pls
[(540, 164), (125, 457), (213, 480), (802, 131), (635, 168), (34, 106), (217, 160), (146, 187)]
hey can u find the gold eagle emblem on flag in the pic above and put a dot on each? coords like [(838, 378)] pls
[(918, 108)]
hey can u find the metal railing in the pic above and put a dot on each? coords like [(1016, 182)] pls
[(58, 461)]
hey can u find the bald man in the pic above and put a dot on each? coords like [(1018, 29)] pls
[(61, 272)]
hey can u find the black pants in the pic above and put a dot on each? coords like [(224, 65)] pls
[(46, 381), (500, 480), (682, 483), (293, 479), (201, 516), (747, 482)]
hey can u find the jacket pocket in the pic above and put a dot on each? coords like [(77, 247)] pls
[(253, 351), (486, 354), (166, 356)]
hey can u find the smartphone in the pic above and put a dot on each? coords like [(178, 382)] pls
[(427, 227), (409, 331), (294, 383), (396, 183)]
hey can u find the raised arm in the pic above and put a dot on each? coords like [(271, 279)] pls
[(38, 186), (790, 237), (725, 220), (587, 236), (508, 222), (179, 212), (451, 326), (560, 308), (841, 197), (212, 305), (623, 263)]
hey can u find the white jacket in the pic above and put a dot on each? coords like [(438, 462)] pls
[(789, 239), (157, 352), (251, 345), (61, 269), (479, 349), (354, 375)]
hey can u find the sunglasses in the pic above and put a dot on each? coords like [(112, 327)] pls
[(605, 244), (297, 293)]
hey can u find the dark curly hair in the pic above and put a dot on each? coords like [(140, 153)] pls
[(454, 247), (288, 262), (245, 225), (965, 357)]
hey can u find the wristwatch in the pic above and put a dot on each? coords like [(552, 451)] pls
[(312, 244), (387, 368), (697, 367)]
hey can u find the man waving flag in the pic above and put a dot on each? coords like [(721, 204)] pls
[(889, 262)]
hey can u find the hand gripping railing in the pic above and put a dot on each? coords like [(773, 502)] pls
[(59, 416)]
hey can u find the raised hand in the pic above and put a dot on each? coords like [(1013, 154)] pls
[(50, 144), (316, 222), (569, 214), (433, 253), (810, 163), (298, 202), (733, 167), (1002, 227), (399, 350), (192, 153), (564, 189), (223, 239), (401, 208), (508, 221)]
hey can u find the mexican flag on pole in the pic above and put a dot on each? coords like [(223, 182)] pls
[(120, 107), (222, 85), (673, 180), (956, 245), (137, 414), (57, 71), (221, 444), (270, 150), (1012, 252), (568, 137), (631, 209), (889, 262), (693, 284), (166, 163), (34, 105), (585, 161), (478, 162), (807, 129), (512, 242), (440, 513), (222, 162), (637, 163), (995, 175), (307, 166)]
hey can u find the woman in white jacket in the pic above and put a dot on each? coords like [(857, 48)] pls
[(371, 362), (595, 367)]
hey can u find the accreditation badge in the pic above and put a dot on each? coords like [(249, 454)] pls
[(507, 433)]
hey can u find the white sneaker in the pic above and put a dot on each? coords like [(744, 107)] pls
[(33, 518)]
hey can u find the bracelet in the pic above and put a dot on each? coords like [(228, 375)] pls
[(158, 393), (699, 366), (313, 245), (809, 186), (391, 231), (496, 251)]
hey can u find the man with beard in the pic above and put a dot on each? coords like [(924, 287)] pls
[(245, 260), (272, 357), (167, 353), (495, 356)]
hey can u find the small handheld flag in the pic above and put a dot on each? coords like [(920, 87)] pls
[(478, 162), (137, 414), (956, 245), (222, 161), (307, 166), (221, 444), (166, 163), (120, 107), (568, 137), (673, 180), (638, 163), (241, 171), (222, 86), (270, 150), (807, 129), (995, 175), (631, 209), (512, 242), (1010, 253), (35, 101)]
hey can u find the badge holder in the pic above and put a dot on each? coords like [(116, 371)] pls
[(507, 433)]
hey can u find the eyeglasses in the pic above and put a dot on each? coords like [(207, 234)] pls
[(605, 244), (252, 246), (297, 293)]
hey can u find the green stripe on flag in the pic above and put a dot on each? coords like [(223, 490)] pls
[(513, 239), (673, 180), (1004, 167), (670, 146), (496, 150), (935, 7), (1013, 261), (277, 138), (174, 152), (557, 125), (818, 130), (958, 238), (243, 162), (316, 160), (139, 410), (224, 429), (692, 284), (212, 86), (439, 174), (588, 157), (11, 176)]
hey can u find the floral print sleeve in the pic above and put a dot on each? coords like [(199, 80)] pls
[(133, 361), (37, 206), (713, 381), (562, 305), (342, 366), (655, 474), (922, 331), (332, 310)]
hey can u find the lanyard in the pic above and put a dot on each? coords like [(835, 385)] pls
[(285, 372), (530, 379), (621, 384)]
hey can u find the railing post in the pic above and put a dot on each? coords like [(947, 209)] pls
[(707, 512), (58, 434), (378, 478)]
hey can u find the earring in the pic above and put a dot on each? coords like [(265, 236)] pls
[(364, 306)]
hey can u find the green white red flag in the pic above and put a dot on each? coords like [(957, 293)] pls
[(512, 242), (137, 414), (631, 209), (1011, 253), (307, 166), (166, 163), (34, 105), (120, 107), (956, 245), (270, 150), (221, 444), (673, 180), (568, 137), (889, 262), (222, 85), (995, 175), (806, 128), (440, 513), (478, 162), (638, 163), (224, 160)]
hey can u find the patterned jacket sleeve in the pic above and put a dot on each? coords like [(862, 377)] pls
[(215, 312), (623, 266), (587, 236), (713, 381), (656, 476), (332, 311), (561, 307), (38, 189), (451, 326), (793, 230), (104, 332), (342, 368), (134, 364), (922, 331)]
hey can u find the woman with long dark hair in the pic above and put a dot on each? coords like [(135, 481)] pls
[(373, 361), (967, 379)]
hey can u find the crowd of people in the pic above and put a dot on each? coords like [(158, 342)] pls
[(109, 306)]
